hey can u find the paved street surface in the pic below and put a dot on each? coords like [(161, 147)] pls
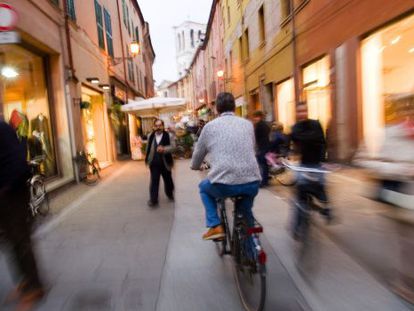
[(108, 251)]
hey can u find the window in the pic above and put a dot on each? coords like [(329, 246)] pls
[(179, 42), (137, 34), (240, 48), (99, 25), (183, 38), (71, 9), (124, 12), (286, 9), (200, 34), (108, 28), (230, 63), (262, 33), (246, 45), (228, 16), (127, 21), (55, 2), (192, 37)]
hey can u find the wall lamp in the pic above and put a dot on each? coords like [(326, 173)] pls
[(93, 80)]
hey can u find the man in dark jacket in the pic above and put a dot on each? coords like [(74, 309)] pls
[(262, 133), (309, 141), (15, 215), (160, 161)]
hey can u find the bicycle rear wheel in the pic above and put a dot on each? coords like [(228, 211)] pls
[(223, 245), (249, 269)]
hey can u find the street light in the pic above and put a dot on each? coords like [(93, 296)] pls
[(134, 48)]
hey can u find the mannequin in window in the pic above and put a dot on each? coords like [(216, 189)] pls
[(40, 124)]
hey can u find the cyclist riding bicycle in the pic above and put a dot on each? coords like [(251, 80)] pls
[(230, 144), (309, 141)]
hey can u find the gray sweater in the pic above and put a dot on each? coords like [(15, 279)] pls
[(229, 143)]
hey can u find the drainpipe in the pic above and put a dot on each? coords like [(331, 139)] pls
[(125, 71), (68, 97), (294, 54)]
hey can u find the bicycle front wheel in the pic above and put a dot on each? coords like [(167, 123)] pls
[(286, 178), (39, 200), (250, 275)]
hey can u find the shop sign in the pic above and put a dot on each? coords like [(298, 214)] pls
[(9, 37), (119, 93), (8, 17)]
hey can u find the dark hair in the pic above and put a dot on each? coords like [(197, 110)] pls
[(258, 113), (225, 103), (156, 120)]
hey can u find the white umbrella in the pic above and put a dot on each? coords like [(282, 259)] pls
[(155, 105)]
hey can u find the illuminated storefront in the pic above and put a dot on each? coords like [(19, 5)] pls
[(387, 80), (94, 126), (26, 102), (316, 90), (285, 104)]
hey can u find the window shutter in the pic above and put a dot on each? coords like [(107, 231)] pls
[(99, 25), (108, 28)]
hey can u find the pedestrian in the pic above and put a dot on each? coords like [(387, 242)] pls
[(262, 133), (279, 141), (15, 220), (160, 161)]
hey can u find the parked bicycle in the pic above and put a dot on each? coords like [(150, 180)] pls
[(88, 168), (242, 242), (39, 200)]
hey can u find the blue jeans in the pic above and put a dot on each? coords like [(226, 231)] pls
[(211, 192)]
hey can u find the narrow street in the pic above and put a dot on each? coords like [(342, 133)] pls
[(106, 250)]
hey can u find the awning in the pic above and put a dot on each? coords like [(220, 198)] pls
[(155, 105)]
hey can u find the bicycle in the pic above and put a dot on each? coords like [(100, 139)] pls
[(278, 171), (311, 189), (249, 257), (39, 200), (88, 168)]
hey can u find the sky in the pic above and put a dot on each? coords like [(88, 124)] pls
[(162, 16)]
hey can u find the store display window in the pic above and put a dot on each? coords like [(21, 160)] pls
[(285, 104), (387, 59), (316, 90), (26, 103)]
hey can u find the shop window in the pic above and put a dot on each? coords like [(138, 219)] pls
[(71, 9), (316, 90), (108, 28), (24, 103), (286, 104), (99, 25), (387, 58)]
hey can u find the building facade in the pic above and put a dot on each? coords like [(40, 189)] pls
[(65, 80)]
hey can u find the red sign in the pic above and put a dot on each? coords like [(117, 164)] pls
[(8, 17)]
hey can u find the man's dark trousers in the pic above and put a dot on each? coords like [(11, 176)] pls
[(264, 167), (158, 169), (15, 221)]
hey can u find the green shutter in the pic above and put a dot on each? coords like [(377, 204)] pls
[(71, 9), (99, 25), (136, 34), (108, 28)]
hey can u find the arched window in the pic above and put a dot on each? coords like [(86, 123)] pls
[(192, 37)]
